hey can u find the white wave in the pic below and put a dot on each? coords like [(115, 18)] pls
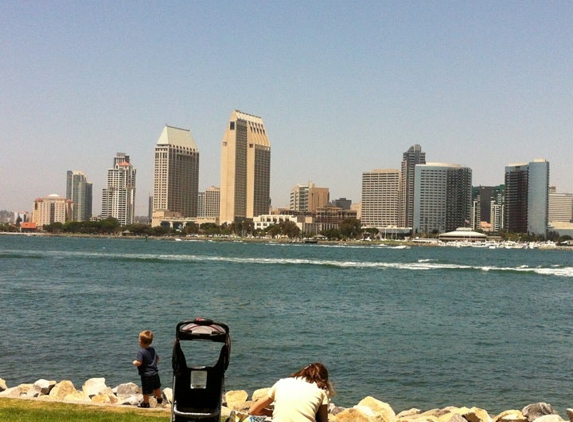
[(423, 264)]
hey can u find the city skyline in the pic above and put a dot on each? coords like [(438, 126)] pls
[(343, 89)]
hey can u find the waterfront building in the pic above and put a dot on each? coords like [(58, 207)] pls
[(245, 168), (209, 202), (308, 197), (527, 197), (51, 209), (79, 190), (176, 172), (560, 206), (410, 159), (442, 197), (118, 198), (380, 198)]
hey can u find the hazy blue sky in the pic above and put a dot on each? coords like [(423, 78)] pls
[(343, 87)]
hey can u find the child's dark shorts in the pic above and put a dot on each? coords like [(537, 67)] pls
[(148, 384)]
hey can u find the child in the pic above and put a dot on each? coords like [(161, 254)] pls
[(146, 362)]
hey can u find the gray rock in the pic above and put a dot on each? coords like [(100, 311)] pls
[(127, 389), (536, 410)]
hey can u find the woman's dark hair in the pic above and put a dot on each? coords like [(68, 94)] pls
[(317, 373)]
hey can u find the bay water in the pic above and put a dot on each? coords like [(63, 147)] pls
[(421, 327)]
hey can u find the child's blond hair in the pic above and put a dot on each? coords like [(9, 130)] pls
[(146, 338)]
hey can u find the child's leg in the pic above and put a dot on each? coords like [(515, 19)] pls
[(146, 398), (158, 395)]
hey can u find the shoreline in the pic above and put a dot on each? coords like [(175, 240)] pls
[(235, 404), (392, 243)]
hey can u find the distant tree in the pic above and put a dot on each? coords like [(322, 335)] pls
[(273, 230), (351, 228), (332, 234), (54, 227), (109, 226), (209, 228), (191, 228), (289, 229)]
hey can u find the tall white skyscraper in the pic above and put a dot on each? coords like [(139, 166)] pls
[(380, 198), (176, 173), (442, 197), (118, 199), (79, 190), (245, 168)]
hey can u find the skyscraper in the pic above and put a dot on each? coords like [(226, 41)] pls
[(527, 197), (245, 168), (176, 173), (413, 156), (442, 197), (79, 190), (380, 198), (118, 198)]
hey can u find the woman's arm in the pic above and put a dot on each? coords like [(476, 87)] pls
[(322, 414), (260, 407)]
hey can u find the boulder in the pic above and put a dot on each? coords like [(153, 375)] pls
[(93, 386), (44, 386), (352, 415), (127, 389), (408, 413), (510, 416), (236, 399), (261, 392), (382, 411), (62, 389), (77, 397), (475, 414), (105, 396), (3, 385), (536, 410), (168, 395), (455, 417), (13, 392), (549, 418)]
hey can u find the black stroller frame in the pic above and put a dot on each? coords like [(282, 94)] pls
[(198, 390)]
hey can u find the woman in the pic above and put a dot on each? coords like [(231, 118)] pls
[(303, 397)]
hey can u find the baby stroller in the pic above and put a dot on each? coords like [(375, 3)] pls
[(198, 390)]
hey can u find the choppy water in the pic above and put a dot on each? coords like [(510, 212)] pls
[(424, 327)]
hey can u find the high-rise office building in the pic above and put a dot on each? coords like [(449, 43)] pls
[(308, 198), (413, 156), (245, 168), (118, 198), (442, 197), (488, 202), (79, 190), (176, 172), (527, 197), (380, 197)]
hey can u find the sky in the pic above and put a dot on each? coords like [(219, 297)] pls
[(342, 87)]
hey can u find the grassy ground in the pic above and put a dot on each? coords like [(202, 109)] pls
[(19, 410)]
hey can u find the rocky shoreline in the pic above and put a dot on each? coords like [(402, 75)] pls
[(369, 409)]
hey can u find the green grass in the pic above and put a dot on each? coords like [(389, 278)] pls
[(19, 410)]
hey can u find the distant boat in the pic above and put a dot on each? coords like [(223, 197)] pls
[(311, 240)]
